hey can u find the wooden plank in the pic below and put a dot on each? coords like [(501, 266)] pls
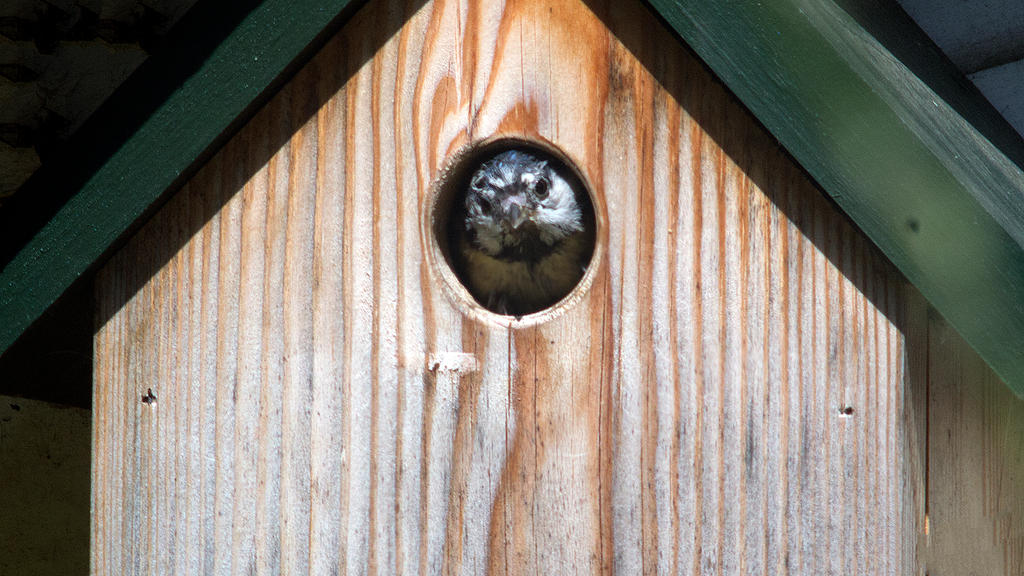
[(976, 463), (921, 163), (915, 428), (44, 471), (196, 113), (328, 406)]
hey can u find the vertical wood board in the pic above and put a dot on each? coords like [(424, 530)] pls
[(975, 481), (724, 395)]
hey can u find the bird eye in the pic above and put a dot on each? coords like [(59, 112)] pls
[(477, 183), (541, 188)]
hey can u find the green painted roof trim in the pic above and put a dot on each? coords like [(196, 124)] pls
[(891, 145), (240, 68), (935, 194)]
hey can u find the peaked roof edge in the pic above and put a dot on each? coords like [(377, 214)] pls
[(898, 140), (209, 99), (915, 168)]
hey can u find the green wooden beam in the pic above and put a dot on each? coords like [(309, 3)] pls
[(901, 146), (193, 116), (909, 153)]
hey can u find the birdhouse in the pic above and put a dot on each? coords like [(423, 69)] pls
[(749, 370)]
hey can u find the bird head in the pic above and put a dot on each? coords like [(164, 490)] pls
[(519, 206)]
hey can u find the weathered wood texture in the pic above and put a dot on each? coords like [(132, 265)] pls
[(724, 397), (964, 461), (975, 481), (923, 165)]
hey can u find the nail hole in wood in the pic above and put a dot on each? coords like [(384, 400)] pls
[(149, 398)]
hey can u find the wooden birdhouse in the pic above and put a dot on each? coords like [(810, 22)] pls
[(291, 375)]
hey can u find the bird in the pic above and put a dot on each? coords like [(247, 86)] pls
[(526, 233)]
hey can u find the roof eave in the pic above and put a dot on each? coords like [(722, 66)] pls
[(245, 64), (903, 159), (900, 150)]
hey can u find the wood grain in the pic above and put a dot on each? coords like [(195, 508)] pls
[(975, 481), (723, 396), (924, 165)]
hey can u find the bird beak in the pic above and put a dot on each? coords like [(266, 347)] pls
[(515, 213)]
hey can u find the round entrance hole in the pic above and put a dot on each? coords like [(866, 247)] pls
[(515, 226)]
